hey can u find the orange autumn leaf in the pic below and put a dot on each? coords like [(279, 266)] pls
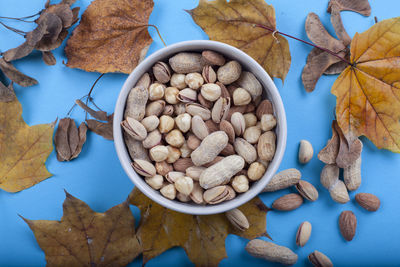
[(111, 37), (368, 91), (235, 23), (23, 149)]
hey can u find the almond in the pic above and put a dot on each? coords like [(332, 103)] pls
[(368, 201), (347, 224), (288, 202)]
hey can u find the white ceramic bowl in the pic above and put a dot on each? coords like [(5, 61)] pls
[(248, 64)]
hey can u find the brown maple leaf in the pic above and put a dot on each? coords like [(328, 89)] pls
[(111, 37), (87, 238), (202, 237)]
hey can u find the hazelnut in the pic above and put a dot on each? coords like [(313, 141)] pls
[(171, 94), (250, 119), (184, 185), (256, 171), (175, 138), (166, 124), (241, 97), (194, 80), (156, 91), (268, 122), (168, 191), (183, 122), (178, 81), (211, 91), (240, 183), (156, 181), (173, 154)]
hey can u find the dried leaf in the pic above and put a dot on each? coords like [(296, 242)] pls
[(337, 24), (49, 58), (350, 148), (368, 91), (235, 23), (16, 76), (360, 6), (6, 93), (53, 25), (63, 11), (330, 152), (68, 2), (336, 68), (111, 37), (75, 15), (202, 237), (87, 238), (101, 128), (97, 114), (23, 149), (47, 44), (82, 139)]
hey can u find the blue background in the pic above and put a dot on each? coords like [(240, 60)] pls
[(97, 177)]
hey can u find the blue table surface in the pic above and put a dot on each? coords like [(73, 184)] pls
[(97, 178)]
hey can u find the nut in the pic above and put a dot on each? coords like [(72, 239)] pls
[(155, 108), (136, 103), (268, 122), (186, 62), (143, 167), (182, 197), (196, 109), (221, 109), (306, 151), (135, 148), (185, 150), (228, 150), (303, 234), (193, 142), (338, 192), (175, 138), (231, 192), (256, 171), (347, 224), (156, 182), (172, 176), (150, 123), (173, 154), (240, 183), (271, 252), (144, 81), (162, 72), (352, 175), (319, 260), (265, 107), (249, 82), (194, 80), (197, 194), (184, 185), (227, 127), (229, 72), (224, 90), (187, 95), (330, 180), (167, 123), (241, 97), (233, 109), (194, 172), (238, 123), (288, 202), (307, 190), (209, 148), (211, 126), (168, 110), (163, 168), (183, 122), (152, 139), (217, 159), (159, 153), (168, 191), (368, 201), (245, 150), (210, 91), (216, 195), (237, 219), (199, 128), (179, 108), (134, 129), (221, 172), (156, 91), (282, 180), (209, 74), (182, 164), (266, 146), (250, 120), (178, 81), (252, 134), (204, 102), (213, 58), (171, 95)]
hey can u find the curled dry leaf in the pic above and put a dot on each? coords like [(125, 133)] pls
[(87, 238), (69, 139), (202, 237), (23, 149), (360, 6), (14, 75), (6, 93), (338, 67), (104, 129), (367, 92), (238, 23), (111, 37), (350, 148)]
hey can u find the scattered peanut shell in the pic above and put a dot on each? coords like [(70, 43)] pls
[(283, 179), (271, 252)]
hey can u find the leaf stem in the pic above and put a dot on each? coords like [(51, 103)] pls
[(303, 41), (13, 29), (158, 32)]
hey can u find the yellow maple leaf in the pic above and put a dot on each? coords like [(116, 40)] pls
[(368, 91), (23, 149)]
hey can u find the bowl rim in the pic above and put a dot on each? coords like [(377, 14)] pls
[(268, 87)]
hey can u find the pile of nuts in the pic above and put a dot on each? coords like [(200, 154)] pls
[(197, 128)]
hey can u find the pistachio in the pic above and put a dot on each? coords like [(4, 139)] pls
[(134, 129), (231, 192), (194, 172), (159, 153), (172, 176), (185, 150), (163, 168), (250, 120), (221, 172), (167, 123), (182, 164), (213, 58), (266, 146), (220, 109), (229, 72), (196, 109), (303, 234), (168, 110), (186, 62), (150, 123), (197, 194), (252, 134), (209, 74), (209, 148), (162, 72), (238, 123), (215, 195), (182, 197), (249, 82), (271, 252), (168, 191), (184, 185), (240, 183), (179, 108), (136, 103), (187, 95), (256, 171), (204, 102), (224, 90), (318, 259), (178, 81), (288, 202), (307, 190), (268, 122), (211, 91), (211, 126), (228, 150), (265, 107), (171, 94), (227, 127), (282, 180), (173, 154), (241, 97), (156, 91), (155, 108), (245, 150), (306, 151), (143, 167), (175, 138), (194, 80), (152, 139), (199, 128), (156, 181), (183, 122), (193, 142), (237, 219)]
